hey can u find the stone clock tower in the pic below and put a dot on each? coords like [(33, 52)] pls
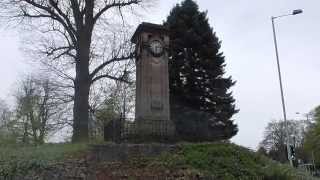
[(152, 80)]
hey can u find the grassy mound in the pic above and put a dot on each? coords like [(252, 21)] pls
[(229, 161), (194, 161), (20, 160)]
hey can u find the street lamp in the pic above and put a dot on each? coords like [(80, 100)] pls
[(295, 12)]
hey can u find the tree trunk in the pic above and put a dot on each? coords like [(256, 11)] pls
[(34, 127), (81, 93), (25, 133)]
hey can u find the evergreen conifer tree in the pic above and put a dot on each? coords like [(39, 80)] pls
[(201, 104)]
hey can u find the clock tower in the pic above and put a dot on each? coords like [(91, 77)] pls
[(152, 110)]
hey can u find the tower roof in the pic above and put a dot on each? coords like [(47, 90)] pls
[(148, 27)]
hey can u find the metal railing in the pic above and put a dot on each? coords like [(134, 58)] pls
[(128, 129)]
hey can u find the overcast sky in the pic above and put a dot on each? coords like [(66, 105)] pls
[(244, 27)]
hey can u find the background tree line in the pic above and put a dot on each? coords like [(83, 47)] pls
[(38, 111), (304, 135)]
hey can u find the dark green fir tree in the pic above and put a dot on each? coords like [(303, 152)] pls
[(201, 102)]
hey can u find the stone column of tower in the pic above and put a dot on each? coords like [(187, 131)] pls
[(152, 79)]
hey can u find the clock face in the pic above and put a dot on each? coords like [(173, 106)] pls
[(156, 48)]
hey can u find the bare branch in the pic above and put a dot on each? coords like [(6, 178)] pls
[(59, 72), (59, 16), (118, 4), (122, 79), (99, 68)]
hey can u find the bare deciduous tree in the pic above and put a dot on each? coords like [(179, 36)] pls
[(5, 115), (7, 136), (39, 109), (275, 138), (3, 110), (73, 35), (110, 103)]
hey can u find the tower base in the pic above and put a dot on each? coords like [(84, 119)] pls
[(155, 127)]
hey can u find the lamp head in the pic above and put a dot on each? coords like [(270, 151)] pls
[(297, 11)]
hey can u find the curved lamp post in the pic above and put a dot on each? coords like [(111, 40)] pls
[(294, 12)]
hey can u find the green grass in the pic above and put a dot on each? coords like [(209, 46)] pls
[(229, 161), (217, 160), (15, 159)]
